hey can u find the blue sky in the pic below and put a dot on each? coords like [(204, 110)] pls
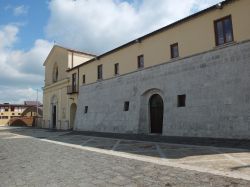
[(33, 19), (28, 29)]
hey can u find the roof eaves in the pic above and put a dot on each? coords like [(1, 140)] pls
[(154, 32)]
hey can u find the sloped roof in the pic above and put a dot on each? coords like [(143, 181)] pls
[(56, 46), (32, 103)]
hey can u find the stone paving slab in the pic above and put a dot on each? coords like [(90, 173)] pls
[(37, 157)]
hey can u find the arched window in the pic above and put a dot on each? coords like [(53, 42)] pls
[(55, 73)]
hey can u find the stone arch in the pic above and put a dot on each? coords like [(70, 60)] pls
[(55, 73), (32, 109), (17, 122), (144, 116), (73, 109)]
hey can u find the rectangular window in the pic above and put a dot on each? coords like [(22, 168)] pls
[(174, 50), (181, 100), (74, 88), (99, 72), (6, 109), (5, 117), (86, 109), (116, 69), (126, 105), (223, 30), (83, 79), (140, 61)]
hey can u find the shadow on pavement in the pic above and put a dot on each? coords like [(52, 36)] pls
[(146, 145)]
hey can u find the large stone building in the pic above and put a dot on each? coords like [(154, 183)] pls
[(190, 78)]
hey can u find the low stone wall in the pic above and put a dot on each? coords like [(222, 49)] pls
[(216, 85)]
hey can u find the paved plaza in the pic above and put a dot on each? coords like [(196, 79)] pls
[(42, 157)]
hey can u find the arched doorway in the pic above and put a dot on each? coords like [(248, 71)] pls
[(73, 108), (54, 104), (156, 113)]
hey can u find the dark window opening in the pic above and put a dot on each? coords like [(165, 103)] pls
[(6, 109), (126, 106), (83, 79), (140, 61), (99, 72), (116, 69), (174, 50), (86, 109), (181, 100), (74, 85), (223, 30), (12, 109)]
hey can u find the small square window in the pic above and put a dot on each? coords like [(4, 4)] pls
[(116, 70), (181, 100), (126, 106), (174, 50), (83, 79), (86, 109), (140, 61)]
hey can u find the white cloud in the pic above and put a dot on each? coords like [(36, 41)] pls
[(20, 10), (19, 95), (8, 35), (20, 70), (98, 26)]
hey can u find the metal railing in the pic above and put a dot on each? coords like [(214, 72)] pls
[(72, 89)]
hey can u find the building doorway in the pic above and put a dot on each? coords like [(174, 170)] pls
[(54, 117), (156, 113), (72, 115)]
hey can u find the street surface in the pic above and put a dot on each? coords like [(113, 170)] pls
[(41, 157)]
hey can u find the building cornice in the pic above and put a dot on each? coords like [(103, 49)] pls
[(59, 83)]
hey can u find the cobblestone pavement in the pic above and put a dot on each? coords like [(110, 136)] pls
[(39, 157)]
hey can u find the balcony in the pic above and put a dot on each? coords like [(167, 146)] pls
[(72, 89)]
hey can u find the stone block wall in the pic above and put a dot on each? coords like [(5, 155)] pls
[(216, 85)]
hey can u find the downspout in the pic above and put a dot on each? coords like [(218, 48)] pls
[(72, 59), (78, 79)]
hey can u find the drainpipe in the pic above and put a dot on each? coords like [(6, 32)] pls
[(78, 79), (72, 59)]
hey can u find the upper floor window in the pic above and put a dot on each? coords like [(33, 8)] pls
[(99, 72), (55, 73), (140, 61), (174, 48), (83, 79), (223, 30), (116, 69)]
